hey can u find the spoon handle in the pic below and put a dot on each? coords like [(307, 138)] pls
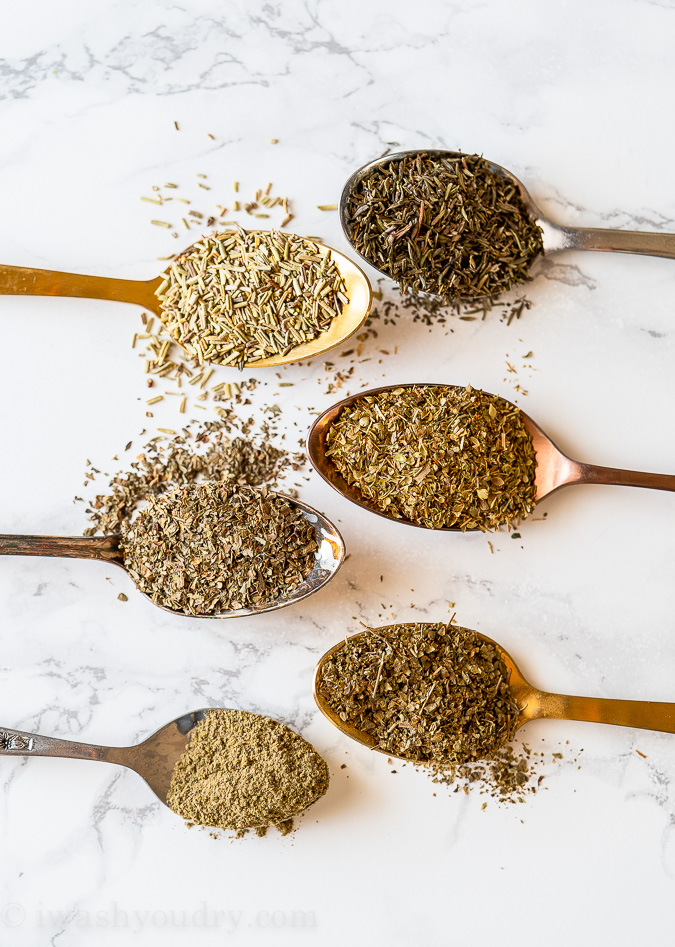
[(621, 241), (642, 714), (69, 547), (25, 281), (591, 473), (19, 743)]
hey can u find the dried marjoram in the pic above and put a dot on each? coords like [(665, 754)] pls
[(437, 455), (235, 297), (216, 547), (431, 693), (448, 226), (242, 770)]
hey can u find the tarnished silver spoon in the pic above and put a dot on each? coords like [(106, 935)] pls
[(554, 469), (555, 236), (154, 759), (329, 557)]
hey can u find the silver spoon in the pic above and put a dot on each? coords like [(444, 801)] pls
[(556, 236), (554, 469), (329, 557), (154, 759)]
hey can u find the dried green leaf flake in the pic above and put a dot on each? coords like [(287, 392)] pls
[(438, 456), (217, 547), (430, 693)]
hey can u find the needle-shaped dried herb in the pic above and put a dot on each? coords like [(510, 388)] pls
[(448, 226), (217, 547), (437, 455), (242, 770), (431, 693), (235, 297)]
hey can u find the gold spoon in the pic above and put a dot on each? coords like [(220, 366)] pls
[(25, 281), (329, 557), (556, 237), (554, 469), (533, 703), (154, 759)]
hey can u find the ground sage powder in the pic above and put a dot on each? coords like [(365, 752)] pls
[(242, 770)]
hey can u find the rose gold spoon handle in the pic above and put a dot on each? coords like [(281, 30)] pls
[(68, 547), (25, 281), (555, 469)]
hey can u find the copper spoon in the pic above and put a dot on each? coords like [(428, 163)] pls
[(554, 469), (24, 281), (154, 759), (555, 236), (533, 703), (329, 557)]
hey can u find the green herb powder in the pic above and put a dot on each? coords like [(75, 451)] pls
[(242, 770)]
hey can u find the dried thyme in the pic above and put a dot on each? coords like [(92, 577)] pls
[(431, 693), (242, 770), (217, 547), (235, 297), (438, 456), (448, 226)]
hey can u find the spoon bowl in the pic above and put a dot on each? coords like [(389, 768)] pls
[(17, 280), (556, 237), (533, 703), (329, 557), (554, 469)]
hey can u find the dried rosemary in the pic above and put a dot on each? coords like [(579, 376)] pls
[(448, 226), (437, 455), (242, 770), (235, 297)]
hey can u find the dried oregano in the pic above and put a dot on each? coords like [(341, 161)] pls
[(437, 455), (431, 693), (242, 770), (449, 226), (217, 547), (235, 297)]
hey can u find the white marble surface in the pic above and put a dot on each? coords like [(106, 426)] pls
[(575, 99)]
